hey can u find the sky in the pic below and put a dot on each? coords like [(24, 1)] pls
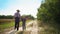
[(26, 7)]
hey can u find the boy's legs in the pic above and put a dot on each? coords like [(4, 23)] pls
[(24, 27)]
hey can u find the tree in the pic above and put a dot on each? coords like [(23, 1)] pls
[(49, 11), (6, 17), (28, 16)]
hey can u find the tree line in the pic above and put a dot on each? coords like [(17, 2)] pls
[(49, 12), (11, 17), (6, 17)]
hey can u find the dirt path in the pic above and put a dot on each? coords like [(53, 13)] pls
[(34, 28), (20, 29), (31, 30)]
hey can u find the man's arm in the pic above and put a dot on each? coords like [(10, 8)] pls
[(14, 16)]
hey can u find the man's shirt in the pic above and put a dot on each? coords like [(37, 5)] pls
[(17, 15)]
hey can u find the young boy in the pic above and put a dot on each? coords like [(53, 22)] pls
[(24, 22)]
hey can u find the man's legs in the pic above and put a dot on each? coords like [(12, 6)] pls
[(17, 23), (17, 26)]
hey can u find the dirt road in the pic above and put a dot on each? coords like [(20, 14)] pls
[(33, 29)]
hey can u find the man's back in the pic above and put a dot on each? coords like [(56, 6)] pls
[(17, 15)]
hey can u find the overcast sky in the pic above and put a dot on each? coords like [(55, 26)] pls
[(9, 7)]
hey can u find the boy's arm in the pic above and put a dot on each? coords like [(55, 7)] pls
[(20, 17)]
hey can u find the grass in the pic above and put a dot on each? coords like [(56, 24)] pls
[(47, 28), (6, 25)]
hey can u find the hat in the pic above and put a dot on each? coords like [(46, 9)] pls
[(18, 10)]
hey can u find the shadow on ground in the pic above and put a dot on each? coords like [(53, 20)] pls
[(24, 32), (21, 32)]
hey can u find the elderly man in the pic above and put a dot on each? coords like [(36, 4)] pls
[(17, 19)]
